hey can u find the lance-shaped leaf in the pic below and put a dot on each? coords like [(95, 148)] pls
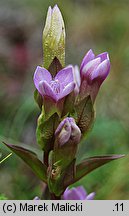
[(91, 164), (30, 158), (84, 114)]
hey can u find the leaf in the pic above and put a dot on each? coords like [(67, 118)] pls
[(84, 114), (91, 164), (30, 158), (45, 131)]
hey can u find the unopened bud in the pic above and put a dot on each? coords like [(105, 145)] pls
[(68, 131), (54, 37)]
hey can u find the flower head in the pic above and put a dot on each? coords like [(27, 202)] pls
[(56, 88), (77, 193), (68, 130), (95, 67)]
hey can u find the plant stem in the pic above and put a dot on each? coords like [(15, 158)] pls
[(54, 197), (45, 158)]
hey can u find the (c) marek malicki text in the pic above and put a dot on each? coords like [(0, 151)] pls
[(57, 207)]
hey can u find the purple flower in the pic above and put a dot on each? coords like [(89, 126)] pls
[(93, 71), (77, 193), (56, 88), (68, 130), (95, 67)]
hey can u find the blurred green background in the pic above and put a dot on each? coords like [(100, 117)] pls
[(98, 24)]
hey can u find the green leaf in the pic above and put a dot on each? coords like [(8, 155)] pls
[(91, 164), (30, 158), (84, 114), (45, 131)]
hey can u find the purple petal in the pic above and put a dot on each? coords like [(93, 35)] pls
[(65, 76), (60, 126), (90, 196), (77, 77), (90, 67), (67, 90), (88, 57), (46, 90), (103, 56), (102, 71), (65, 133), (41, 74), (82, 192), (71, 194)]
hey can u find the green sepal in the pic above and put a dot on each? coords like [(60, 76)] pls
[(55, 67), (84, 114), (68, 104), (58, 175), (31, 159), (50, 107), (61, 167), (91, 164), (45, 131), (38, 98)]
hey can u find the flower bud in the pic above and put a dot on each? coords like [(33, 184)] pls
[(54, 37), (93, 70), (68, 131)]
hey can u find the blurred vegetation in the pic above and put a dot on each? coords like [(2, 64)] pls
[(98, 24)]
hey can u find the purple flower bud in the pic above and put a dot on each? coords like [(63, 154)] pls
[(56, 88), (68, 131), (95, 67), (77, 193), (94, 71)]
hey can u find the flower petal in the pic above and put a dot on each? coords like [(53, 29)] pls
[(46, 90), (82, 192), (103, 56), (76, 74), (88, 57), (67, 90), (102, 71), (60, 126), (65, 76), (90, 67), (41, 74), (90, 196), (65, 133), (71, 194)]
